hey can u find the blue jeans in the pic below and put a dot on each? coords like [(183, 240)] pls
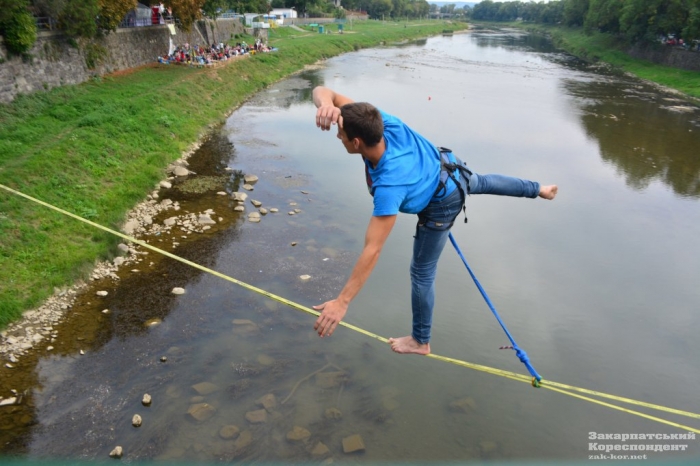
[(432, 230)]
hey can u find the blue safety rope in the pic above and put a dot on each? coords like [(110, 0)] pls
[(522, 355)]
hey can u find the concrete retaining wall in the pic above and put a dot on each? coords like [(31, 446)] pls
[(668, 55)]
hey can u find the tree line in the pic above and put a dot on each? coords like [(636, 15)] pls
[(636, 20)]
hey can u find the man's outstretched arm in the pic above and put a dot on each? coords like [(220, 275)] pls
[(333, 311), (328, 103)]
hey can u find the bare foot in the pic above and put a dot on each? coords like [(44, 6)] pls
[(407, 345), (548, 192)]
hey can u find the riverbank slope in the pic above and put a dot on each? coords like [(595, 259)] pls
[(597, 46), (98, 148)]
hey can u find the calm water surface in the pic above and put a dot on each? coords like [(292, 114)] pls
[(599, 286)]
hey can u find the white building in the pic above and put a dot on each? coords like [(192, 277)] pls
[(284, 13)]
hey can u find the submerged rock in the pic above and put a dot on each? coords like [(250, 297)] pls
[(464, 405), (353, 444), (205, 388), (228, 432), (258, 416), (136, 420), (243, 440), (333, 413), (320, 450), (330, 379), (146, 401), (298, 434), (201, 411), (267, 401)]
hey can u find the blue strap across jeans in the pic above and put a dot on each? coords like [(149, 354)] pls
[(522, 355)]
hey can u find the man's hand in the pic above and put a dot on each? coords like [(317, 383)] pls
[(328, 115), (328, 103), (332, 312)]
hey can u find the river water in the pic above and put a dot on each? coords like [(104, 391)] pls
[(599, 286)]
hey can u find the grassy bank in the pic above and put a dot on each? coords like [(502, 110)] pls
[(605, 47), (98, 148)]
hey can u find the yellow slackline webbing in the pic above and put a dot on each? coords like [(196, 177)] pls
[(554, 386)]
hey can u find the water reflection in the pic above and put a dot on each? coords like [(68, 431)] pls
[(645, 135)]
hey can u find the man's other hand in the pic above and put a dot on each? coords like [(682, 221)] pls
[(332, 312)]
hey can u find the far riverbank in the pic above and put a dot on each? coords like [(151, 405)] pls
[(606, 48)]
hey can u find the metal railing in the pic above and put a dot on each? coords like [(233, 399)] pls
[(45, 23), (132, 22)]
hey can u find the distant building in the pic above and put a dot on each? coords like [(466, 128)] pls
[(284, 13)]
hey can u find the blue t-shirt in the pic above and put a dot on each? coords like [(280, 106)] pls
[(408, 173)]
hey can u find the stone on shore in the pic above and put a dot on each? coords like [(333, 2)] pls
[(206, 220), (250, 179), (248, 187), (136, 421), (178, 291), (146, 400), (180, 171), (255, 203), (165, 184), (239, 197)]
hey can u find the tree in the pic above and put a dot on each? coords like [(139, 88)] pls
[(187, 11), (213, 8), (646, 20), (17, 26), (112, 13), (575, 12), (691, 31), (379, 9), (604, 16), (79, 18), (50, 8)]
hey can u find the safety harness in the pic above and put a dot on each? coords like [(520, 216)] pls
[(447, 171)]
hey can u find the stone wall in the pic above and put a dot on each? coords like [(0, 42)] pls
[(55, 62), (674, 56)]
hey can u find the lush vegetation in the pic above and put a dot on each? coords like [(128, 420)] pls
[(635, 20), (98, 148)]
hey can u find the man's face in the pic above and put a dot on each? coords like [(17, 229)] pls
[(349, 145)]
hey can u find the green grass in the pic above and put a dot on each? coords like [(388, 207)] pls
[(611, 49), (98, 148)]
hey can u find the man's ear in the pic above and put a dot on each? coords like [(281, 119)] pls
[(356, 143)]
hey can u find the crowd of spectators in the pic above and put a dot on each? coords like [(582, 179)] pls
[(216, 53)]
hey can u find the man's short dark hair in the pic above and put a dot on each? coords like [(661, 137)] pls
[(362, 120)]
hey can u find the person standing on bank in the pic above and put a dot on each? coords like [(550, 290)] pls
[(405, 173)]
